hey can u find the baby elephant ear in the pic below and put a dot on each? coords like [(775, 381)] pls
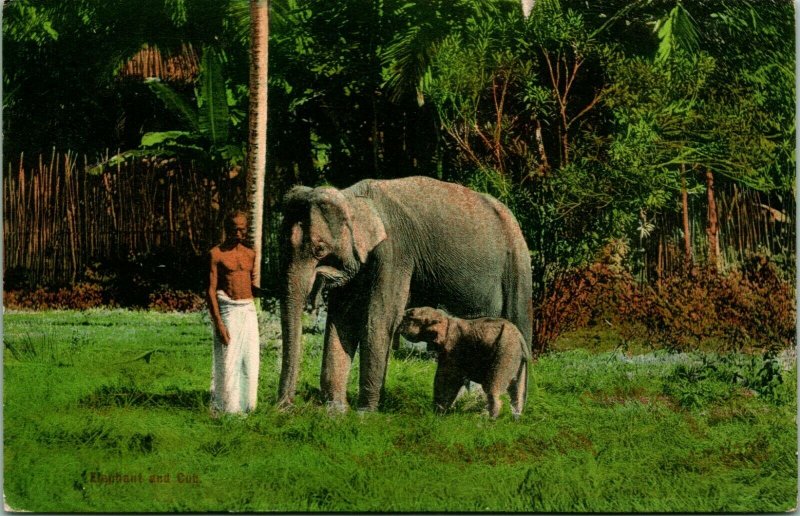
[(438, 328), (367, 227)]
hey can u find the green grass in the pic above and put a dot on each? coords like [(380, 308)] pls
[(106, 392)]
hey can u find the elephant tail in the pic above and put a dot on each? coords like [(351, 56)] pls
[(518, 389), (517, 300)]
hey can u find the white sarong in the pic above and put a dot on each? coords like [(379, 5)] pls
[(234, 373)]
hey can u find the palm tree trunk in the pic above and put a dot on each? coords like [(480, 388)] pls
[(713, 227), (257, 140), (527, 7), (687, 231)]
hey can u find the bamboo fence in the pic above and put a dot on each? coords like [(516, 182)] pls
[(150, 61), (59, 218), (750, 223)]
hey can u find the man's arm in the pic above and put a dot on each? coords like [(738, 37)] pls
[(211, 297)]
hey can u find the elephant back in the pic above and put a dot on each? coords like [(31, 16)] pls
[(425, 205), (467, 249)]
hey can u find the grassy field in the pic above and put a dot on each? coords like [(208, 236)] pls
[(92, 399)]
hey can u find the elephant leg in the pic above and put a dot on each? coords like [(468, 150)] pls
[(495, 404), (386, 306), (447, 384), (341, 342), (495, 386), (500, 379), (517, 390), (374, 363)]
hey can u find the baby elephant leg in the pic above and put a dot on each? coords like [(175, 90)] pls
[(518, 390), (508, 373), (446, 385), (495, 404), (495, 386)]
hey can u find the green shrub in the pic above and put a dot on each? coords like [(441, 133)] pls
[(715, 378), (46, 347)]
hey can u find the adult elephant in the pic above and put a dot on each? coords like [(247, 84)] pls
[(383, 246)]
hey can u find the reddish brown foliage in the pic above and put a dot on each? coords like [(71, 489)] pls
[(83, 296), (176, 301), (748, 308), (77, 297), (751, 307), (578, 298)]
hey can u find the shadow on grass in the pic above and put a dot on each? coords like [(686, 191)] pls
[(413, 352), (406, 400), (101, 437), (218, 447), (400, 399), (127, 396), (308, 392), (411, 399)]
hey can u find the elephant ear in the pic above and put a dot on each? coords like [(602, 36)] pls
[(367, 227), (435, 325), (295, 202), (297, 194), (359, 216), (334, 209)]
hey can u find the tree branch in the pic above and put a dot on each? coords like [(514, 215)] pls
[(586, 109)]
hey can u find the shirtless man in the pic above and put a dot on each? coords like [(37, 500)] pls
[(230, 299), (232, 266)]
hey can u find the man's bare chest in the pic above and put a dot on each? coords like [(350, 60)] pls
[(236, 262)]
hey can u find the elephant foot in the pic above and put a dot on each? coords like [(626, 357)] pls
[(336, 407), (368, 403), (285, 405)]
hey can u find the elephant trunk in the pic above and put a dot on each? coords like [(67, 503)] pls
[(299, 279)]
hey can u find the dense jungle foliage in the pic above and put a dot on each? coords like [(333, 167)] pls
[(618, 132)]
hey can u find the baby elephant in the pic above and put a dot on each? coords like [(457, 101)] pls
[(488, 351)]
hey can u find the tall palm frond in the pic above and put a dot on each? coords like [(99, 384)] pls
[(214, 116), (677, 31), (206, 125), (408, 57), (238, 19), (176, 9), (175, 103)]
